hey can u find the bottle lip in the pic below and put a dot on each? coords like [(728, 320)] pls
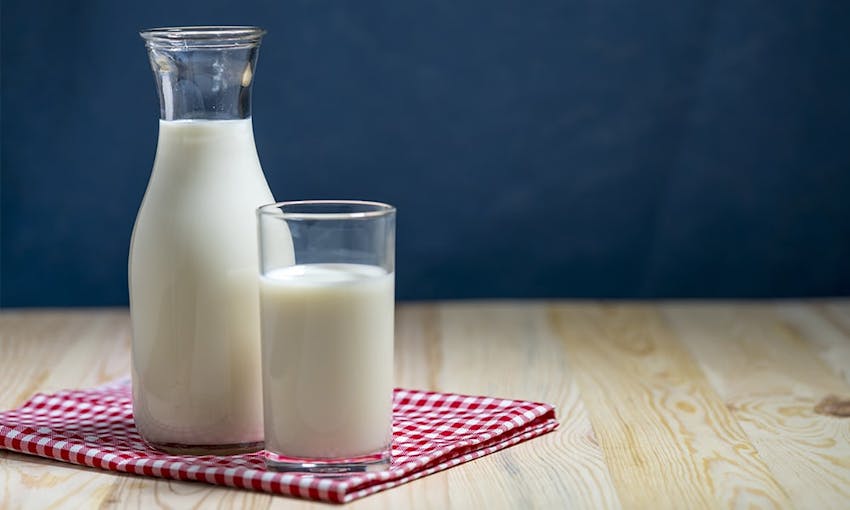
[(213, 36)]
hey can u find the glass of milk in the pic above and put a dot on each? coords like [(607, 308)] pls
[(327, 334)]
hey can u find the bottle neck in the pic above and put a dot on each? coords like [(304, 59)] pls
[(203, 73), (203, 84)]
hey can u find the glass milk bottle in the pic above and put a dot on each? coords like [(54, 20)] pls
[(193, 256)]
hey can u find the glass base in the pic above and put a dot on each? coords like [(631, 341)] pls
[(328, 467), (208, 449)]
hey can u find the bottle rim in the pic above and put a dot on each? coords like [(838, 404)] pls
[(199, 37)]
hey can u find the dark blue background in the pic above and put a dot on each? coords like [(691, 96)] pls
[(549, 148)]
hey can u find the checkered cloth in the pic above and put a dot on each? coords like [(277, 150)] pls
[(431, 432)]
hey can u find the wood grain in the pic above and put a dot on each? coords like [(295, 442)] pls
[(700, 405), (508, 349), (47, 352), (44, 351), (668, 439), (822, 330), (771, 375)]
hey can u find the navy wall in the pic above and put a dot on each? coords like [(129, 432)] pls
[(534, 149)]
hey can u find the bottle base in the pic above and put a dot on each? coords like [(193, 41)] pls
[(328, 467), (207, 449)]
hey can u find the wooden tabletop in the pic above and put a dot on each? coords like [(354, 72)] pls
[(663, 405)]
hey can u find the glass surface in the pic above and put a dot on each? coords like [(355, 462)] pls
[(204, 72), (327, 334)]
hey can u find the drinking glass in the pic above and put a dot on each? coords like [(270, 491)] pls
[(327, 334)]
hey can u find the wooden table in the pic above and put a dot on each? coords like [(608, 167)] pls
[(666, 405)]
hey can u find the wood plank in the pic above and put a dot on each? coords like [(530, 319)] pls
[(136, 492), (30, 482), (48, 352), (509, 350), (771, 378), (669, 441), (825, 334), (837, 311)]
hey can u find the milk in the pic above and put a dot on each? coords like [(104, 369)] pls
[(327, 359), (193, 288)]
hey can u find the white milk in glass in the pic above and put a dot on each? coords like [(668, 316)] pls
[(327, 359), (193, 288)]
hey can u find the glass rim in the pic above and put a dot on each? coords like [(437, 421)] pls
[(379, 209), (206, 36)]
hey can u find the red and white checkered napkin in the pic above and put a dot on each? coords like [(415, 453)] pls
[(431, 432)]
